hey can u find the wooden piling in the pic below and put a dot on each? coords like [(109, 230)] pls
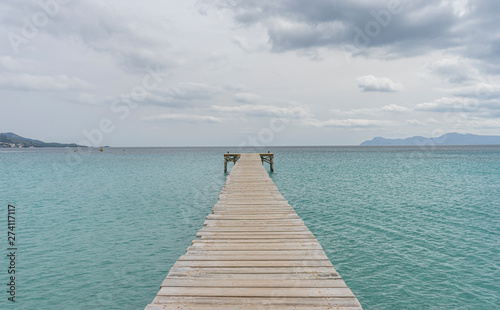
[(230, 157), (268, 158)]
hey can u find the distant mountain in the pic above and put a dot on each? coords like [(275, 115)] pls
[(447, 139), (10, 139)]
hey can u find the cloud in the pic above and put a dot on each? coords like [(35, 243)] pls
[(299, 24), (484, 124), (265, 111), (370, 83), (185, 118), (30, 82), (480, 91), (454, 70), (420, 123), (100, 28), (9, 63), (190, 91), (465, 107), (448, 105), (370, 112), (247, 98), (395, 108), (182, 94), (348, 123), (414, 122), (373, 27)]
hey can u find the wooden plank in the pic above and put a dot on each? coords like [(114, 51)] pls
[(254, 234), (244, 270), (181, 282), (256, 241), (253, 263), (180, 306), (271, 303), (250, 210), (253, 257), (263, 238), (253, 223), (259, 217), (257, 276), (274, 292), (303, 252), (253, 247), (256, 228), (253, 212)]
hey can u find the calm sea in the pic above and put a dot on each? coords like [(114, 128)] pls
[(406, 227)]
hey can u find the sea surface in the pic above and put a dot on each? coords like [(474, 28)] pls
[(406, 227)]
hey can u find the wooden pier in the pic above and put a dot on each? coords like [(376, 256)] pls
[(254, 252)]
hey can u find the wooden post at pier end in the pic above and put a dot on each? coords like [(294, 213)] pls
[(264, 157), (230, 157), (268, 158)]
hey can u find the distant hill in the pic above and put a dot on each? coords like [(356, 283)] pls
[(10, 139), (447, 139)]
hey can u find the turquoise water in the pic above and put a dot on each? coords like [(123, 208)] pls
[(407, 228)]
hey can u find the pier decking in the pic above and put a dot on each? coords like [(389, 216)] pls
[(254, 252)]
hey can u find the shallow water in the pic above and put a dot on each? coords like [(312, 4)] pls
[(406, 227)]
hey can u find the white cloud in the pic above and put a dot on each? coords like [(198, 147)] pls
[(9, 63), (30, 82), (448, 105), (369, 83), (182, 94), (466, 107), (182, 117), (265, 110), (189, 91), (395, 108), (367, 112), (414, 122), (247, 98), (485, 124), (355, 112), (348, 123)]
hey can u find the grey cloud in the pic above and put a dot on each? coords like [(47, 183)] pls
[(363, 27), (454, 70), (293, 24), (99, 28), (480, 91)]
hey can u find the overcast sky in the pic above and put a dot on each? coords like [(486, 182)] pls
[(240, 72)]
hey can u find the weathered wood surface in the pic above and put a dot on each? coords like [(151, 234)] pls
[(254, 252)]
